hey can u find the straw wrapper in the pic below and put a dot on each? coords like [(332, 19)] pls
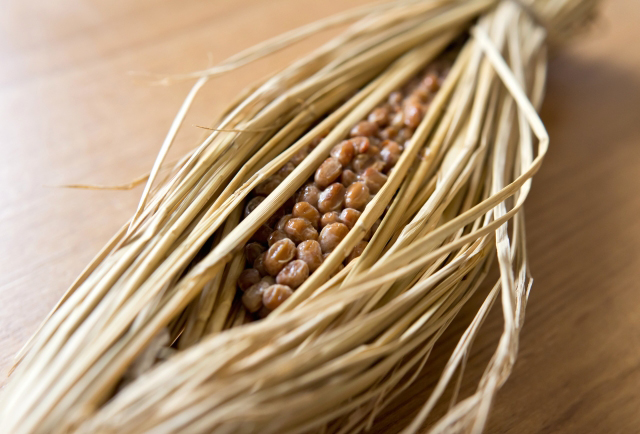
[(150, 338)]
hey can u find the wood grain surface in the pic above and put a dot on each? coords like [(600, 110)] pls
[(71, 113)]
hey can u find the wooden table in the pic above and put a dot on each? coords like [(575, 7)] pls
[(69, 113)]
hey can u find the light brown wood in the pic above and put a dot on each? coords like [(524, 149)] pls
[(70, 113)]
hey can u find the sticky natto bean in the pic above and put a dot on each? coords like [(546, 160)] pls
[(389, 133), (349, 217), (309, 193), (258, 264), (357, 251), (300, 229), (275, 295), (379, 116), (293, 274), (276, 216), (310, 252), (252, 205), (262, 234), (279, 255), (252, 297), (390, 153), (275, 237), (329, 217), (299, 156), (252, 251), (267, 187), (404, 135), (395, 98), (362, 162), (343, 152), (262, 313), (412, 114), (270, 280), (283, 222), (247, 278), (397, 120), (331, 198), (328, 172), (348, 177), (364, 128), (307, 211), (357, 196), (430, 83), (361, 144), (285, 170), (331, 236), (374, 179)]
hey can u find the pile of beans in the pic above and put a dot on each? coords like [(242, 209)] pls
[(301, 234)]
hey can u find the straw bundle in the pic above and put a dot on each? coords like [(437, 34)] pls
[(153, 337)]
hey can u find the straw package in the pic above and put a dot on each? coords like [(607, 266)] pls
[(293, 272)]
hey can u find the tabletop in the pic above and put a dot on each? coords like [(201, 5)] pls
[(71, 112)]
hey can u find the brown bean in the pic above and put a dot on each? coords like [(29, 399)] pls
[(374, 151), (262, 313), (379, 116), (397, 120), (275, 295), (430, 83), (275, 237), (309, 193), (267, 187), (331, 198), (361, 144), (412, 114), (329, 171), (299, 156), (283, 222), (262, 234), (421, 95), (344, 152), (310, 252), (315, 142), (300, 229), (293, 274), (331, 236), (279, 255), (388, 133), (364, 128), (349, 217), (252, 205), (276, 216), (329, 217), (258, 264), (252, 251), (374, 179), (248, 277), (307, 211), (362, 162), (357, 251), (357, 196), (404, 135), (348, 177), (285, 170), (252, 297), (395, 98), (270, 280), (390, 153)]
